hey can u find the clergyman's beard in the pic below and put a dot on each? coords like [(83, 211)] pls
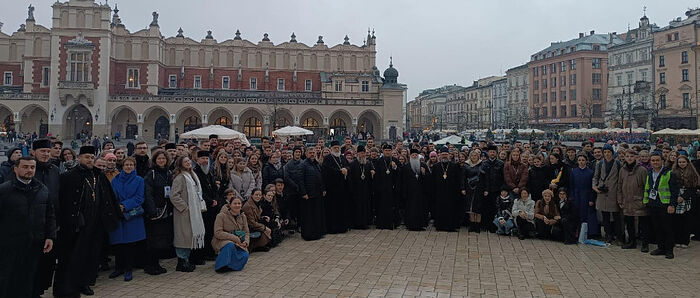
[(362, 160), (205, 168), (336, 154), (415, 164), (445, 160)]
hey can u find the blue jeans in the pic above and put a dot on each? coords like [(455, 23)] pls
[(506, 229), (183, 253)]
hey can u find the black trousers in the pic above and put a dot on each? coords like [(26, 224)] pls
[(663, 229), (524, 226), (569, 228), (544, 231), (681, 227), (125, 255), (643, 226), (613, 229)]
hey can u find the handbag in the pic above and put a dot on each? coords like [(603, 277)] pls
[(137, 211), (162, 213), (240, 234)]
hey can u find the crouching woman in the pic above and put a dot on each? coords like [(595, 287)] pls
[(231, 235)]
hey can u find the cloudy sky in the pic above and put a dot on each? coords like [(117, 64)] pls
[(433, 43)]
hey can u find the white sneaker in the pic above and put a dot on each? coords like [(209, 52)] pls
[(678, 245), (684, 246)]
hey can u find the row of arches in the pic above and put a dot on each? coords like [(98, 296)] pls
[(34, 119)]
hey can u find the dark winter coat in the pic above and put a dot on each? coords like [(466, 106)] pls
[(26, 213), (312, 179), (159, 232), (69, 218), (493, 171), (49, 175), (270, 173)]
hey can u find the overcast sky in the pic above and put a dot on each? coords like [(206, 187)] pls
[(433, 43)]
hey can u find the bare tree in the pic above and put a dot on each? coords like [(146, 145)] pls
[(587, 105)]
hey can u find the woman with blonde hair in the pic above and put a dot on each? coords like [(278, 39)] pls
[(689, 181), (242, 180), (231, 235)]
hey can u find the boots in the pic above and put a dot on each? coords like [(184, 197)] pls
[(630, 245), (645, 247), (184, 266)]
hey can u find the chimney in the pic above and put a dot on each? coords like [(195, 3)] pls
[(592, 32), (580, 35)]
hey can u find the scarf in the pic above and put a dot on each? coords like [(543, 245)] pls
[(194, 194)]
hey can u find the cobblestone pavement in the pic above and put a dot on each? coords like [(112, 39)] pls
[(431, 264)]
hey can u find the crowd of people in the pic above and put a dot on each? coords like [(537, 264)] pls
[(63, 214)]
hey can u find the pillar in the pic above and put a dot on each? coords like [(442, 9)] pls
[(171, 136)]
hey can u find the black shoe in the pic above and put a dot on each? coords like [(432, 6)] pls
[(262, 248), (669, 255), (104, 266), (150, 270), (197, 261), (116, 273), (87, 291), (184, 266), (521, 237), (657, 252), (209, 258), (631, 245), (161, 269), (645, 247)]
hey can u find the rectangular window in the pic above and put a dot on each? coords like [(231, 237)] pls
[(596, 63), (536, 71), (554, 82), (544, 84), (675, 36), (132, 78), (554, 96), (544, 97), (79, 67), (573, 79), (563, 80), (536, 86), (544, 69), (596, 78), (253, 84), (536, 98), (553, 68), (597, 95), (45, 76), (225, 83), (686, 100), (630, 78), (662, 78), (662, 101), (338, 86), (197, 82), (563, 111), (537, 112), (662, 61), (572, 63), (573, 111), (307, 85), (544, 111), (572, 94), (172, 81), (597, 110), (563, 65), (562, 94), (365, 86), (280, 84), (684, 57), (684, 73), (619, 80), (643, 74), (554, 112), (7, 81)]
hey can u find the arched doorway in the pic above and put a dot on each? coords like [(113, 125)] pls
[(281, 118), (368, 124), (124, 123), (251, 123), (191, 123), (78, 123), (339, 122), (8, 120), (35, 120), (224, 121), (189, 119), (311, 120), (221, 116), (161, 129)]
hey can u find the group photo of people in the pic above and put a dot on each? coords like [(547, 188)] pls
[(68, 216)]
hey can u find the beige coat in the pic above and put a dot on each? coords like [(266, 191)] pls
[(630, 191), (182, 228), (224, 226), (606, 201), (253, 214)]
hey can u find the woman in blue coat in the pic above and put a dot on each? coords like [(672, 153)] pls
[(128, 187), (581, 191)]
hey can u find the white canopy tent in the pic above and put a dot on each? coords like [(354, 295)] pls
[(665, 131), (290, 131), (453, 139), (221, 131)]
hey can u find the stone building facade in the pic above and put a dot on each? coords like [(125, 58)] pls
[(89, 74), (518, 112), (500, 104)]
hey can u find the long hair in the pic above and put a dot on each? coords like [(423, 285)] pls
[(238, 160), (158, 153), (180, 168), (218, 171), (688, 176)]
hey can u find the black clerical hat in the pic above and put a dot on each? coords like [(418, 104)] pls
[(87, 150), (41, 143)]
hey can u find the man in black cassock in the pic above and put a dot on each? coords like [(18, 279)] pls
[(386, 189), (210, 194), (48, 174), (335, 171), (360, 189), (27, 229), (448, 190), (415, 181), (311, 212), (89, 209)]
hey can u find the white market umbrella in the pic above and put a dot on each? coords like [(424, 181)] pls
[(665, 131), (453, 139), (221, 131), (289, 131)]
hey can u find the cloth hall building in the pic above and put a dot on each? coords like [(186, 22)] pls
[(88, 74)]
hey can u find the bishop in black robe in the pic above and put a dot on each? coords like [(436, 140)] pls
[(360, 189), (334, 171), (415, 180), (386, 190), (448, 190)]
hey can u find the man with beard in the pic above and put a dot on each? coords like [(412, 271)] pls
[(28, 228), (493, 172), (88, 210), (335, 172), (56, 148), (293, 185), (143, 164), (415, 179), (213, 142), (312, 190), (360, 175), (49, 175), (171, 150), (214, 203), (386, 189), (448, 190)]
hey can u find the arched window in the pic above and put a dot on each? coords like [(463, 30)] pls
[(338, 127), (309, 123), (252, 127), (223, 121), (281, 122), (192, 123)]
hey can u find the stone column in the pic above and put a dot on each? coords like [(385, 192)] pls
[(171, 137)]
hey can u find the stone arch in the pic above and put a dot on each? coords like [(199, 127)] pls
[(188, 119), (251, 122), (220, 116), (156, 123), (369, 122), (312, 120), (7, 119), (77, 122), (123, 120), (34, 118), (340, 122), (283, 118)]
